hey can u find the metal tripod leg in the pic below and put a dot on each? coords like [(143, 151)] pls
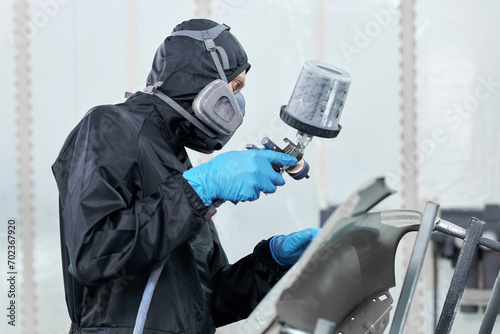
[(492, 309), (416, 261), (457, 285)]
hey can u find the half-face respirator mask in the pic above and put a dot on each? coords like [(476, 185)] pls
[(218, 112), (221, 111)]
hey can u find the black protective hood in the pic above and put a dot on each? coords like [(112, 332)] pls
[(185, 66)]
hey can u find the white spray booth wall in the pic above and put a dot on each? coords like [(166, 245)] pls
[(86, 53)]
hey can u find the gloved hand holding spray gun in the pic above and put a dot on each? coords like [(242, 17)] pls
[(314, 109)]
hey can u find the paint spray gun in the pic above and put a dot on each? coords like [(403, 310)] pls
[(314, 109)]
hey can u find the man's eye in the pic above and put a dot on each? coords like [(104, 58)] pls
[(237, 84)]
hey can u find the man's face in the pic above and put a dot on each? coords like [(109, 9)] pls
[(238, 83)]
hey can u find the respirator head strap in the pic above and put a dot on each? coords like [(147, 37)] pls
[(153, 90), (211, 33), (208, 36)]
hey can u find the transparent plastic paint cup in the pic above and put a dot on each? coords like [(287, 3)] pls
[(317, 100)]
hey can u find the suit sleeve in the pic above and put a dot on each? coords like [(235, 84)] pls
[(107, 227), (238, 288)]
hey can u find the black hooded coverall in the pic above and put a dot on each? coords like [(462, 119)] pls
[(124, 205)]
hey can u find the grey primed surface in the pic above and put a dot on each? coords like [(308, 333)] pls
[(324, 327), (371, 317), (355, 262), (349, 262)]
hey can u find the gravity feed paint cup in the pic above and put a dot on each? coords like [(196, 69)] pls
[(317, 100)]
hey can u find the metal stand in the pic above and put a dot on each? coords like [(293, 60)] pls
[(416, 261), (492, 309), (472, 239), (457, 285)]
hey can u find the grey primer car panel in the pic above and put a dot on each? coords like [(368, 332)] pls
[(348, 266)]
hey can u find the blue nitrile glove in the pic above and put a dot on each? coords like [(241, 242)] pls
[(287, 249), (238, 176)]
